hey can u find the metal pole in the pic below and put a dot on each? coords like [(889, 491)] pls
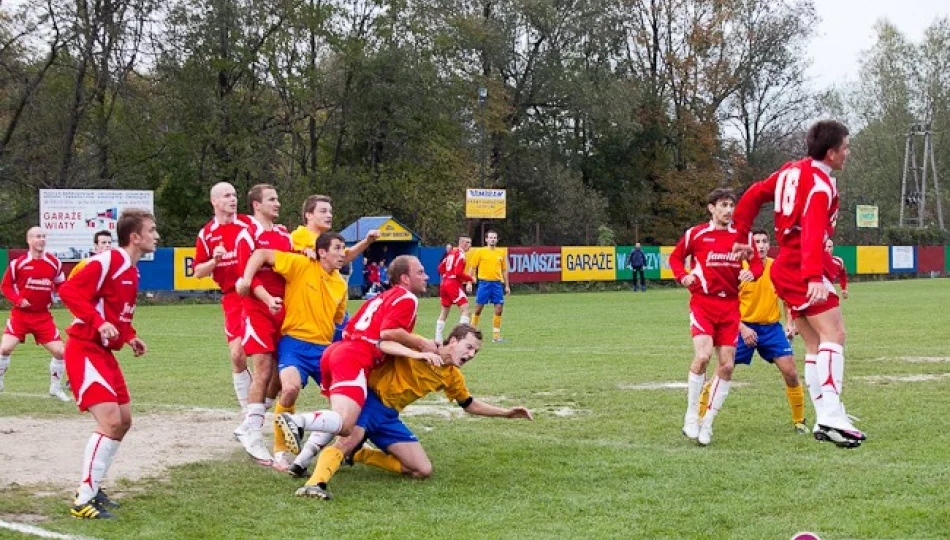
[(933, 167), (923, 181), (482, 95), (904, 177)]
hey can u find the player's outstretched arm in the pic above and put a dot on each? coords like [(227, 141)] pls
[(358, 248), (481, 408), (408, 339), (395, 348), (257, 260)]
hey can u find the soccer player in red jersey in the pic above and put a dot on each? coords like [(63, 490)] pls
[(713, 282), (102, 298), (452, 270), (28, 284), (836, 269), (806, 209), (216, 256), (346, 365), (263, 313)]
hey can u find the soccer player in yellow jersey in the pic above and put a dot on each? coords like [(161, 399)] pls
[(314, 300), (761, 330), (318, 218), (101, 241), (393, 386), (491, 265)]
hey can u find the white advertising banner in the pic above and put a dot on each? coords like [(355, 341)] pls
[(72, 216)]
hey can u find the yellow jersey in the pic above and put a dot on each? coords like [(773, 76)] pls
[(401, 381), (314, 300), (303, 238), (77, 268), (758, 303), (489, 263)]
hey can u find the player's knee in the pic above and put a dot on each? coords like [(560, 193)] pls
[(421, 471), (290, 392), (725, 370)]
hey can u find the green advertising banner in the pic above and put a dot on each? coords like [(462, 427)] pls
[(651, 270), (623, 267), (849, 254)]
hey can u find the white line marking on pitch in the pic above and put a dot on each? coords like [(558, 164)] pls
[(663, 385), (42, 533), (884, 379)]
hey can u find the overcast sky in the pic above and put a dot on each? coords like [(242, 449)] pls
[(847, 26)]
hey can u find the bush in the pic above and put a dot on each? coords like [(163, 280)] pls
[(912, 236)]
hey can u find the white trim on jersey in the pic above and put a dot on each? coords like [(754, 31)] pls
[(820, 187), (91, 376)]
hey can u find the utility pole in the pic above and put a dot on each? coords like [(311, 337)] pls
[(482, 96), (915, 195)]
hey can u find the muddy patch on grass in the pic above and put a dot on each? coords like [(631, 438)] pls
[(49, 450)]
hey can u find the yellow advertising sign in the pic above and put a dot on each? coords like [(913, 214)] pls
[(185, 279), (485, 203), (394, 232), (872, 259), (597, 263), (665, 271), (866, 216)]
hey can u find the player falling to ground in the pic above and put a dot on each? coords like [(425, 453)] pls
[(28, 284), (491, 274), (216, 256), (452, 270), (101, 241), (713, 282), (346, 365), (263, 313), (806, 208), (761, 330), (102, 298), (836, 269), (394, 386), (314, 300)]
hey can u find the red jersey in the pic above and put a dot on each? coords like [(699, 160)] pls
[(32, 279), (715, 266), (836, 269), (216, 234), (395, 308), (278, 239), (806, 210), (103, 291), (453, 266)]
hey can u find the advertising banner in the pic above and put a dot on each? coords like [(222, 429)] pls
[(72, 216), (594, 263), (485, 203), (532, 264), (185, 279)]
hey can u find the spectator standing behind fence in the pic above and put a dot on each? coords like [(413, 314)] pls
[(636, 260)]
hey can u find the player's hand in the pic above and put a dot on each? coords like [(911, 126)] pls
[(844, 293), (746, 275), (688, 280), (742, 250), (519, 412), (431, 358), (507, 290), (430, 346), (218, 252), (138, 346), (242, 287), (373, 235), (310, 253), (108, 331), (749, 336), (274, 304), (468, 288), (790, 330), (817, 293), (24, 303)]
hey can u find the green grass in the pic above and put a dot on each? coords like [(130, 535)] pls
[(619, 468)]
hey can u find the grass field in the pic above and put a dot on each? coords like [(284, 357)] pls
[(602, 459)]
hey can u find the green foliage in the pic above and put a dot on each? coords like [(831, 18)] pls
[(912, 236)]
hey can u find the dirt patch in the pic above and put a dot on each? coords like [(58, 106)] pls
[(49, 450), (23, 518)]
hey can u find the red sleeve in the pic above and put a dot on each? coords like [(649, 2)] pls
[(442, 269), (244, 246), (8, 290), (751, 201), (79, 294), (678, 258), (202, 250), (842, 273), (460, 270), (814, 224), (755, 263), (400, 314)]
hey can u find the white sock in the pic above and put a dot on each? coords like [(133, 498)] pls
[(464, 319), (694, 387), (4, 364), (315, 443), (56, 369), (255, 416), (242, 384), (830, 365), (812, 382), (95, 464), (325, 421), (718, 390), (439, 328), (268, 403)]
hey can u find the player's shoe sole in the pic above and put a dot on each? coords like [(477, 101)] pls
[(290, 432), (90, 510), (313, 492), (840, 437), (801, 428)]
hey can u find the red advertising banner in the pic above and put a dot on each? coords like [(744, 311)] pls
[(533, 264)]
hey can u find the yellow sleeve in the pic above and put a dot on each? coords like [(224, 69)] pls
[(289, 265), (77, 268), (455, 388), (472, 264), (302, 239)]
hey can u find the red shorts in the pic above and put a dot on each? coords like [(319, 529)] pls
[(261, 327), (716, 317), (793, 290), (345, 368), (94, 374), (233, 306), (40, 324), (452, 293)]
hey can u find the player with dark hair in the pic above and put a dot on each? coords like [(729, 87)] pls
[(490, 265)]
